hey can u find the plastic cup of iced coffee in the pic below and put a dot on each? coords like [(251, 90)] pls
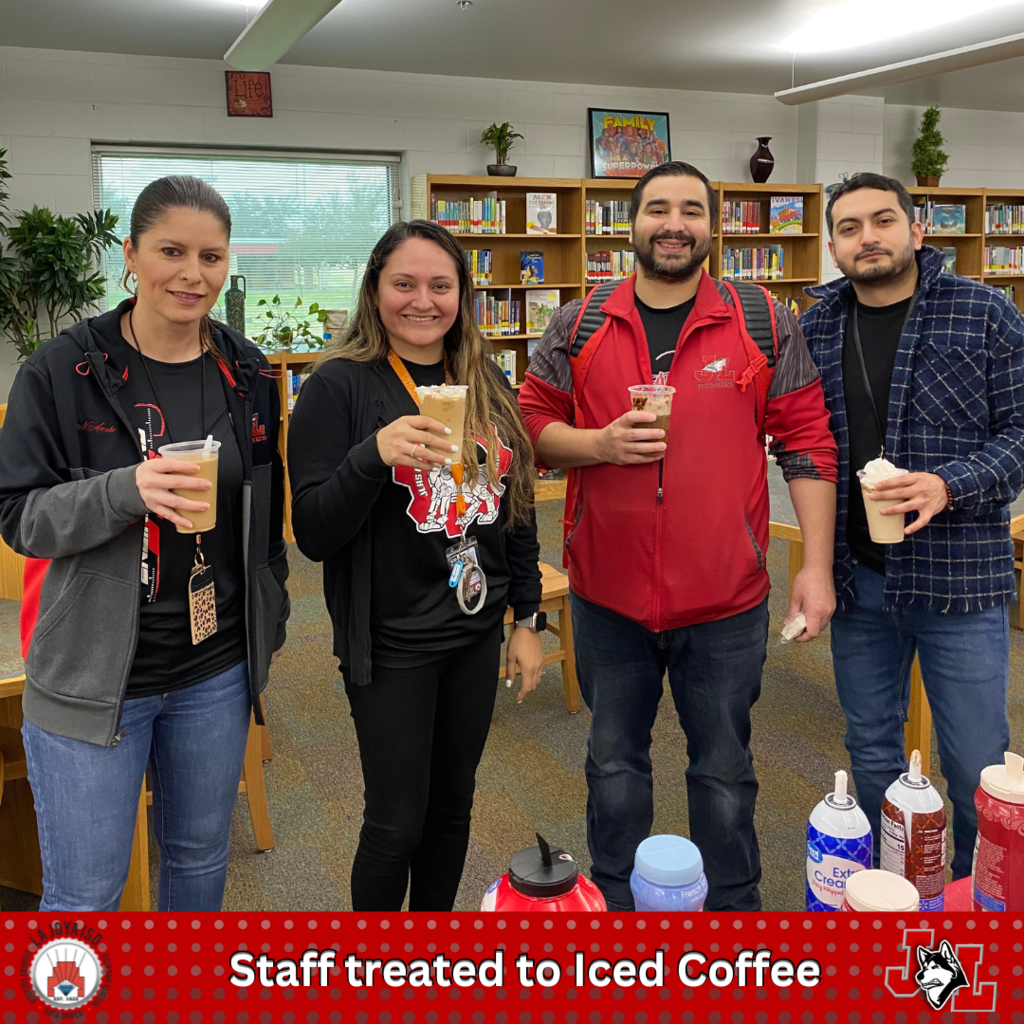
[(883, 529), (656, 398), (197, 451), (446, 403)]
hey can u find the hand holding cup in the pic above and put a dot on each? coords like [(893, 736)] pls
[(417, 441)]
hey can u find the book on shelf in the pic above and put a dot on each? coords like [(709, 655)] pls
[(741, 217), (1009, 290), (531, 347), (611, 218), (941, 218), (540, 308), (613, 265), (794, 303), (484, 216), (786, 215), (761, 264), (496, 317), (948, 259), (542, 213), (1004, 219), (481, 266), (294, 380), (506, 360), (531, 266), (1004, 259)]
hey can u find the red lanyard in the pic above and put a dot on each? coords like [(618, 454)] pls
[(403, 375)]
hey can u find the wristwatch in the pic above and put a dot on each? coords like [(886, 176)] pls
[(538, 622)]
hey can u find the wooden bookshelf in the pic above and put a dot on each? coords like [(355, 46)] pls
[(969, 244), (604, 190), (995, 196), (801, 262), (563, 251)]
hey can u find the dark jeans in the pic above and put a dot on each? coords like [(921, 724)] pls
[(965, 665), (421, 733), (714, 673)]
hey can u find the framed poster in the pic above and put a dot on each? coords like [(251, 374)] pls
[(626, 143), (249, 94)]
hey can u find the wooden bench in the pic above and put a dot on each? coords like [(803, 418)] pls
[(555, 599)]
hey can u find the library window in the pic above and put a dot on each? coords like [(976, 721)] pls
[(302, 226)]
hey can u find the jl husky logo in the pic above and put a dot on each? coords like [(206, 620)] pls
[(940, 975), (433, 491), (715, 373)]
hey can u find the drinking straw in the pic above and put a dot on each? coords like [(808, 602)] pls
[(208, 447)]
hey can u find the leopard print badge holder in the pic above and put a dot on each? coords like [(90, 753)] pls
[(202, 601)]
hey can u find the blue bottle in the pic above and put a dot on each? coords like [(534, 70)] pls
[(838, 844), (668, 874)]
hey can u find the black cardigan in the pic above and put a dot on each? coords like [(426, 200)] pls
[(340, 408)]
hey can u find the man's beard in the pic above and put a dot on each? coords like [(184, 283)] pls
[(880, 273), (676, 270)]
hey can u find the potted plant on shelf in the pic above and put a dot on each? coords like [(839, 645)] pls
[(928, 161), (502, 138), (48, 269), (285, 328)]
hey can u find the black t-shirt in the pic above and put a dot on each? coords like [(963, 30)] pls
[(165, 658), (663, 327), (414, 615), (880, 330)]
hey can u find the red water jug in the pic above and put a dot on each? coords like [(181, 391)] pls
[(998, 871), (543, 879)]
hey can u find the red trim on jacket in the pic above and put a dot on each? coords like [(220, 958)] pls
[(35, 573)]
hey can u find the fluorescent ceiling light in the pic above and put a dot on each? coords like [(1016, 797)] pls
[(854, 23)]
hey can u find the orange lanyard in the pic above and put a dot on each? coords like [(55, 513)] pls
[(403, 375)]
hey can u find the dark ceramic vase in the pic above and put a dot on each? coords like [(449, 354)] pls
[(762, 163), (502, 170)]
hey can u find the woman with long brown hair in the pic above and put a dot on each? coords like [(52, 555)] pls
[(422, 555)]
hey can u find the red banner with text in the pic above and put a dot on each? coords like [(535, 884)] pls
[(315, 968)]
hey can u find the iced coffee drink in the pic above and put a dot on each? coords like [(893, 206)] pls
[(446, 403), (197, 451), (883, 529), (656, 398)]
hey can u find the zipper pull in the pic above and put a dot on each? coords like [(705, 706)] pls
[(661, 479), (660, 493)]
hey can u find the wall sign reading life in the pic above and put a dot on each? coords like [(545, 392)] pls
[(249, 94)]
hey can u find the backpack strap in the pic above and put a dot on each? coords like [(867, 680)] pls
[(760, 336), (591, 318)]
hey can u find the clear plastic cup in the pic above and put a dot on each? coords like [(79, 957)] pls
[(446, 403), (883, 529), (195, 451), (656, 398)]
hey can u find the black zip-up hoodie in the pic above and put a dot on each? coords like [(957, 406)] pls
[(69, 503)]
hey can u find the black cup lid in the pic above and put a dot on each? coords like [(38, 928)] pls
[(542, 872)]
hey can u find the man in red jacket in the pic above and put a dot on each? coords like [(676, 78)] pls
[(665, 542)]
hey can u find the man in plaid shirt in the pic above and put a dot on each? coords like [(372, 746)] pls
[(928, 367)]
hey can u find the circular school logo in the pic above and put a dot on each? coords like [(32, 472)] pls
[(67, 973)]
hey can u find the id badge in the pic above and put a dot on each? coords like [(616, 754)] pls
[(461, 556), (202, 601)]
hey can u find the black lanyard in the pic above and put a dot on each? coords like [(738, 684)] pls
[(864, 367), (152, 383)]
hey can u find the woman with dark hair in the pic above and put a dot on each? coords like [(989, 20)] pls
[(422, 556), (146, 640)]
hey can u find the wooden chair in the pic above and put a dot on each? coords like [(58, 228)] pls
[(555, 598), (1017, 536)]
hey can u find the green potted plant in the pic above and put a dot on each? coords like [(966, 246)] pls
[(928, 161), (502, 138), (48, 269), (285, 328)]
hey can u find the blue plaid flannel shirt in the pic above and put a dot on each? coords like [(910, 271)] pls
[(956, 408)]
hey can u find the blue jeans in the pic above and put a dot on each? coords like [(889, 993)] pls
[(87, 797), (714, 673), (965, 664)]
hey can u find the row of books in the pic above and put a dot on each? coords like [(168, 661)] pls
[(763, 264), (743, 216), (496, 317), (1004, 219), (607, 218), (1009, 290), (470, 216), (1004, 259), (293, 381), (941, 218), (794, 303), (609, 266), (481, 265), (506, 360)]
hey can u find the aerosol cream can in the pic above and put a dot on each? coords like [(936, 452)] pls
[(838, 846), (913, 839)]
